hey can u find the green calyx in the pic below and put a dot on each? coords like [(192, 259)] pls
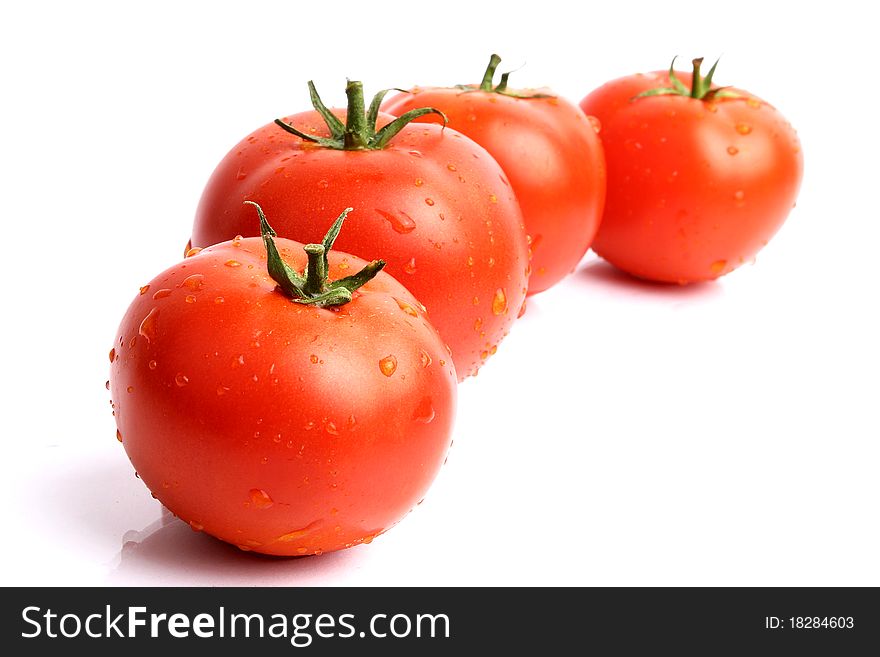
[(358, 133), (501, 87), (701, 87), (311, 286)]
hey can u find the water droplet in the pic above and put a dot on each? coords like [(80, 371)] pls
[(732, 150), (491, 261), (718, 266), (181, 380), (739, 195), (499, 302), (401, 223), (195, 282), (260, 498), (152, 364), (241, 175), (190, 298), (219, 300), (484, 354), (415, 153), (129, 389), (743, 128), (107, 384), (196, 527), (313, 359), (132, 342), (264, 460), (388, 365), (754, 103), (113, 354), (429, 201), (232, 263), (410, 266), (330, 428), (595, 123), (222, 390), (451, 167), (424, 412), (493, 198), (323, 184), (299, 533), (478, 325), (118, 435), (493, 349), (470, 261), (144, 289), (407, 308), (419, 182), (148, 325), (192, 251), (161, 294)]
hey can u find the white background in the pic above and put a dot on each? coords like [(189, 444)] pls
[(625, 434)]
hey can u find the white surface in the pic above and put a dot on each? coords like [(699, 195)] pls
[(625, 434)]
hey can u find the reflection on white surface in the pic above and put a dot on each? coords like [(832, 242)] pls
[(167, 552)]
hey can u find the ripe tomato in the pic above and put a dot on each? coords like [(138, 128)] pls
[(550, 152), (431, 202), (699, 179), (277, 426)]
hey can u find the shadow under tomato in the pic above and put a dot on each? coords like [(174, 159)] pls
[(599, 275)]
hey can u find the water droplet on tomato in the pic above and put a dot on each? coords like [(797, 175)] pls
[(484, 354), (195, 282), (478, 324), (754, 103), (419, 182), (299, 533), (192, 251), (429, 201), (425, 357), (241, 175), (152, 364), (196, 527), (493, 349), (148, 325), (190, 298), (452, 167), (499, 302), (323, 184), (493, 198), (743, 128), (424, 412), (144, 289), (718, 266), (161, 294), (415, 153), (732, 150), (219, 300), (470, 261), (595, 124), (407, 308), (232, 263), (129, 389), (401, 223), (181, 380), (410, 266), (118, 435), (313, 359), (739, 195), (388, 365), (107, 384), (260, 498)]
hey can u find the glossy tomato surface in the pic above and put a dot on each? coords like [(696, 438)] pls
[(281, 428), (433, 204), (552, 155), (695, 187)]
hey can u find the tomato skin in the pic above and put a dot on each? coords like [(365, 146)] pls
[(695, 188), (278, 427), (433, 204), (550, 152)]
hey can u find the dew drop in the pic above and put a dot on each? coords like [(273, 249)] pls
[(241, 175), (429, 201), (323, 184), (425, 357), (118, 435), (148, 325), (388, 365), (232, 263), (732, 150), (401, 223), (129, 389), (330, 428), (196, 527), (478, 325), (194, 282), (475, 301), (415, 153), (192, 251), (424, 412), (181, 380), (419, 182), (313, 359), (499, 302), (743, 128), (410, 266), (236, 242), (407, 308), (595, 123), (718, 266), (113, 354), (144, 289), (152, 364), (222, 390), (219, 300), (161, 294), (452, 167), (260, 498), (107, 384), (754, 103), (493, 198), (190, 298)]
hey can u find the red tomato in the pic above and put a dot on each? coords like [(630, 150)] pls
[(431, 202), (696, 185), (281, 427), (550, 152)]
